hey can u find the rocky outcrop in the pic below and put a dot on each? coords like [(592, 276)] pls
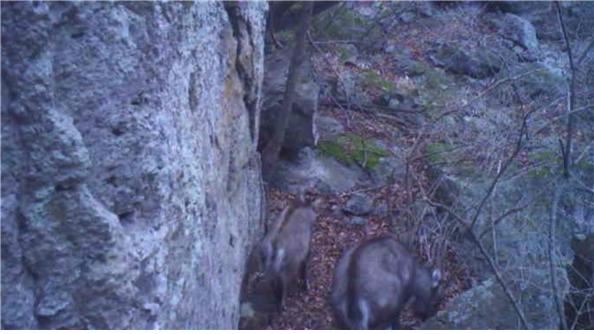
[(520, 31), (517, 32), (486, 306), (131, 189)]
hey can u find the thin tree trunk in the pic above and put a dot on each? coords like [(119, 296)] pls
[(571, 98), (271, 151)]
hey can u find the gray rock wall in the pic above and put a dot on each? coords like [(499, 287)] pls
[(130, 178)]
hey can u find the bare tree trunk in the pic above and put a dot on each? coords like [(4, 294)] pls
[(272, 149)]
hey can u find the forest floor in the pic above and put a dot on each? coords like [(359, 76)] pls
[(331, 234), (481, 126)]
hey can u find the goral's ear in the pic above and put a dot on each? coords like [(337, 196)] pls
[(301, 197), (435, 277)]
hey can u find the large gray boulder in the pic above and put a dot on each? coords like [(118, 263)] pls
[(312, 169), (520, 31), (516, 29), (131, 191), (486, 306), (518, 246), (517, 242), (478, 64)]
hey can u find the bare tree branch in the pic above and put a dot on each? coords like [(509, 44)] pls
[(578, 312), (470, 225), (499, 83), (489, 260), (503, 168)]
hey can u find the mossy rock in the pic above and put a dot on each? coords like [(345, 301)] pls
[(435, 88), (351, 148)]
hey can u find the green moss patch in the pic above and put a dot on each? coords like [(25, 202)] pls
[(435, 88), (373, 80), (437, 152), (351, 148)]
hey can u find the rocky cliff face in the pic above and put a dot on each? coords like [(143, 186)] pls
[(130, 178)]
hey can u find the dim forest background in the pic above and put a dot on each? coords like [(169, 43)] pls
[(148, 147), (464, 128)]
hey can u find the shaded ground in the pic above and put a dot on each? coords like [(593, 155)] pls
[(332, 234), (404, 68)]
